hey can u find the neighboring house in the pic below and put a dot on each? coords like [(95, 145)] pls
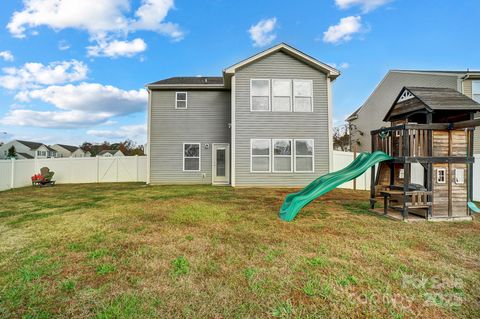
[(110, 153), (371, 114), (69, 151), (267, 121), (27, 150)]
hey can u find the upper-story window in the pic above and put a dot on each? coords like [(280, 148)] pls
[(303, 95), (476, 91), (282, 95), (180, 100), (260, 94)]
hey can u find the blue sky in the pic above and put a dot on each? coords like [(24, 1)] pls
[(73, 70)]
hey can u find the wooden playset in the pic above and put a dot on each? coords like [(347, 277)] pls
[(431, 142)]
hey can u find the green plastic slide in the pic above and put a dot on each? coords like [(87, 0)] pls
[(296, 201)]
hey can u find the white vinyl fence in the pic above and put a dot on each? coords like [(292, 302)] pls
[(343, 159), (18, 173), (476, 178)]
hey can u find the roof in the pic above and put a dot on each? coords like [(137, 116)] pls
[(31, 145), (108, 151), (439, 99), (25, 155), (69, 148), (389, 91), (190, 80), (331, 71)]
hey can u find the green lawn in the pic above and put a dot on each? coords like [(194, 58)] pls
[(131, 251)]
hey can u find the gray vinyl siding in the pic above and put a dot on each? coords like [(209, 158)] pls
[(371, 115), (253, 125), (467, 90), (205, 121)]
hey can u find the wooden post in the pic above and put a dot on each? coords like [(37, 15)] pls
[(449, 175), (354, 157), (429, 185), (372, 180), (470, 167), (406, 173)]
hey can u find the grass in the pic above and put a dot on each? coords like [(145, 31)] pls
[(131, 251)]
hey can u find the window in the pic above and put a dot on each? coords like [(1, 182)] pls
[(259, 95), (191, 157), (42, 153), (260, 155), (459, 176), (180, 100), (282, 95), (476, 91), (302, 93), (304, 156), (282, 155), (441, 176)]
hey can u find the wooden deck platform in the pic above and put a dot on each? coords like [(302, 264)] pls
[(396, 215)]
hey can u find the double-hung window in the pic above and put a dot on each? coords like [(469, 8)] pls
[(303, 95), (191, 157), (282, 155), (281, 95), (260, 155), (180, 100), (476, 91), (260, 95), (304, 155)]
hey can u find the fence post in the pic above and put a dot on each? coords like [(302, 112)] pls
[(136, 166), (97, 160), (117, 157), (12, 174)]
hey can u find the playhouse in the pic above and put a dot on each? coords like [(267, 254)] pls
[(430, 140)]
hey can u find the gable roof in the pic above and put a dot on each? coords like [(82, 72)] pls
[(438, 99), (392, 91), (283, 47), (69, 148), (200, 81), (25, 155), (31, 145), (113, 152)]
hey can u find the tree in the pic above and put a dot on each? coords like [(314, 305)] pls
[(12, 152), (341, 138)]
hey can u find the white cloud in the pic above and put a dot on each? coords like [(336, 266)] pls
[(52, 119), (89, 97), (31, 75), (344, 30), (63, 45), (344, 65), (124, 132), (365, 5), (262, 33), (6, 55), (103, 20), (117, 48)]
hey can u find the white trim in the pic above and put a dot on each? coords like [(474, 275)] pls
[(331, 72), (269, 155), (311, 94), (232, 133), (473, 93), (227, 163), (444, 170), (282, 156), (290, 96), (304, 156), (330, 124), (149, 135), (176, 100), (199, 157), (269, 95)]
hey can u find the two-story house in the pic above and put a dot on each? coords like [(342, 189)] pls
[(370, 115), (267, 121), (27, 150), (69, 151)]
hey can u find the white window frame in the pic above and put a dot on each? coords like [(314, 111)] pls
[(475, 93), (269, 155), (269, 95), (199, 157), (177, 100), (294, 96), (303, 156), (290, 96), (457, 180), (282, 156), (444, 181)]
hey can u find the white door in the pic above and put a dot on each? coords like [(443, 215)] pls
[(221, 164)]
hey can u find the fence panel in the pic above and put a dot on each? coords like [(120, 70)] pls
[(343, 159), (476, 178), (5, 174)]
